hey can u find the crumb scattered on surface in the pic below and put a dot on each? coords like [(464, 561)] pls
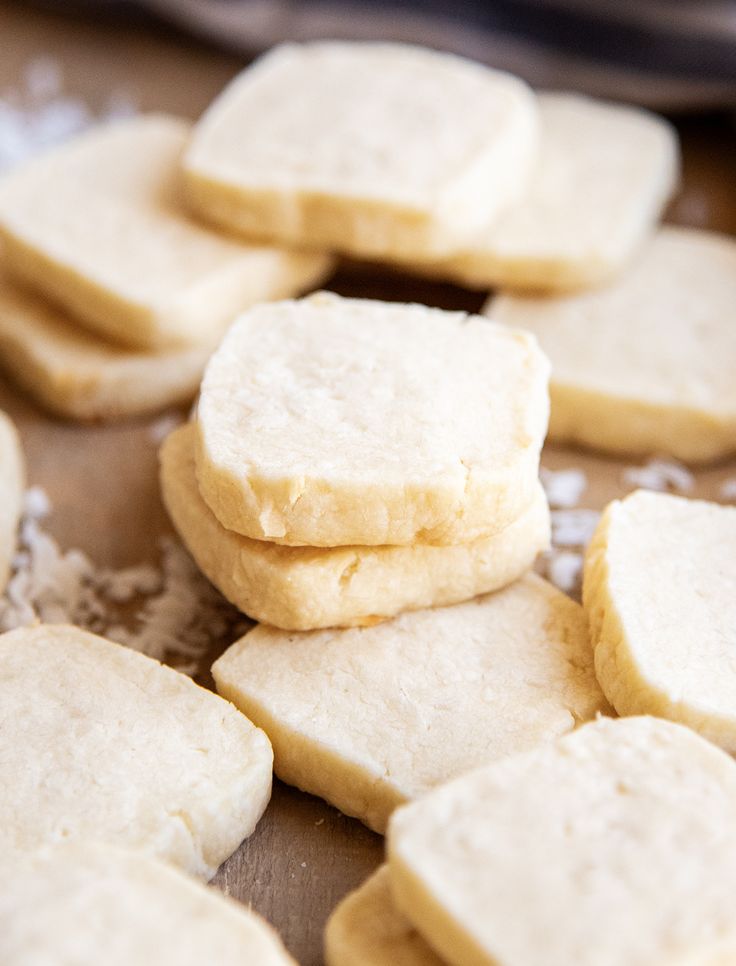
[(563, 487), (660, 475), (572, 528), (160, 428), (170, 611), (564, 569), (39, 112)]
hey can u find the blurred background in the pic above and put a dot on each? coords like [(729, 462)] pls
[(672, 54), (66, 63)]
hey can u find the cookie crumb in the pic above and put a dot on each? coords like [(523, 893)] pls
[(727, 490), (563, 487), (573, 528), (39, 112), (660, 475), (169, 612)]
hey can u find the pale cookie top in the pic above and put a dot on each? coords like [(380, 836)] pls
[(85, 904), (97, 224), (603, 174), (411, 702), (395, 131), (661, 334), (103, 743), (366, 929), (332, 421), (660, 589), (614, 845), (12, 482)]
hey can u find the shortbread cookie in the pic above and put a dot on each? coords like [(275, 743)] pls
[(101, 742), (603, 174), (85, 904), (331, 422), (98, 226), (301, 588), (12, 482), (77, 374), (378, 150), (366, 929), (646, 364), (659, 589), (614, 845), (369, 717)]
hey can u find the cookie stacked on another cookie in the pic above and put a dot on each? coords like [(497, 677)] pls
[(111, 296), (354, 459), (431, 162), (612, 845)]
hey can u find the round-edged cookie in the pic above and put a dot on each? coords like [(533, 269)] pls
[(366, 929), (303, 588), (615, 844), (337, 422), (82, 903), (75, 374), (644, 365), (103, 743), (659, 589), (370, 717), (98, 225), (12, 483), (368, 149), (601, 179)]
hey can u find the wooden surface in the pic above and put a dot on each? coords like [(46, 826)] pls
[(102, 481)]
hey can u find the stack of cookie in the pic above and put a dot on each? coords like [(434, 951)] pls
[(433, 163), (354, 459), (111, 296), (355, 467)]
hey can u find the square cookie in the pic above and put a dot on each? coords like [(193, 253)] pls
[(645, 364), (100, 743), (375, 150), (602, 177), (613, 845), (370, 717), (81, 904), (659, 589), (326, 422), (79, 375), (98, 226)]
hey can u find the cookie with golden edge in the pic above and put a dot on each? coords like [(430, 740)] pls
[(368, 718), (103, 743), (98, 226), (330, 422), (12, 483), (615, 844), (302, 588), (659, 589), (644, 365), (73, 373), (378, 150), (603, 174), (71, 902), (366, 929)]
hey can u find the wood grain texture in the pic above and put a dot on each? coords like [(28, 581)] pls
[(102, 481)]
